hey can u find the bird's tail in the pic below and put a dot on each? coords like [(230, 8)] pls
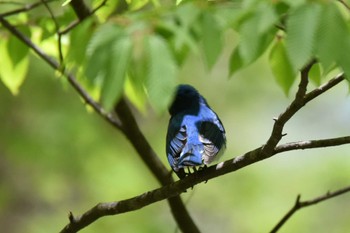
[(191, 156)]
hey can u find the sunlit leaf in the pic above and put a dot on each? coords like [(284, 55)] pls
[(315, 74), (135, 92), (66, 2), (236, 62), (281, 66), (161, 75), (302, 25), (12, 74), (136, 4), (112, 6)]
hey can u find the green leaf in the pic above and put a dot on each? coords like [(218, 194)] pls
[(136, 4), (236, 62), (330, 36), (181, 26), (315, 74), (254, 44), (281, 66), (78, 42), (135, 92), (117, 65), (302, 25), (187, 14), (212, 38), (267, 18), (98, 52), (66, 2), (16, 49), (344, 58), (12, 71), (161, 75)]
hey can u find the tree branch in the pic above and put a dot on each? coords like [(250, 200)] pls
[(150, 158), (301, 204), (75, 23), (323, 88), (128, 125), (176, 188), (344, 4), (26, 7), (132, 131), (57, 27), (177, 207), (312, 144), (298, 102)]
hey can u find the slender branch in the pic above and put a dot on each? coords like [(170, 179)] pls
[(78, 21), (323, 88), (174, 189), (298, 103), (59, 36), (301, 204), (12, 3), (345, 4), (26, 7), (312, 144), (80, 9)]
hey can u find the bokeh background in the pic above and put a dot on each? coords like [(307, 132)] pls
[(56, 157)]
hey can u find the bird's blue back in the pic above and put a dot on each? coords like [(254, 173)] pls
[(195, 133)]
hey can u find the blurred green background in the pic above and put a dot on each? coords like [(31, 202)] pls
[(56, 157)]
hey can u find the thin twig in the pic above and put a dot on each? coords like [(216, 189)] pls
[(12, 3), (59, 36), (27, 7), (301, 204), (325, 87), (344, 4), (302, 145), (78, 21), (294, 107)]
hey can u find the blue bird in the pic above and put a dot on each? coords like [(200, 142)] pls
[(195, 135)]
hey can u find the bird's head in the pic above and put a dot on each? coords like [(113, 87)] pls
[(187, 99)]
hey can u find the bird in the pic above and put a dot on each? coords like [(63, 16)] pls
[(196, 135)]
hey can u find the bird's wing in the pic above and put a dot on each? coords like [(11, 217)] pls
[(212, 135), (175, 141)]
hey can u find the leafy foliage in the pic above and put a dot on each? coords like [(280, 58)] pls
[(301, 34), (281, 66), (139, 52), (14, 62)]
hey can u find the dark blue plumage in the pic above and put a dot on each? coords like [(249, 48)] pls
[(195, 133)]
